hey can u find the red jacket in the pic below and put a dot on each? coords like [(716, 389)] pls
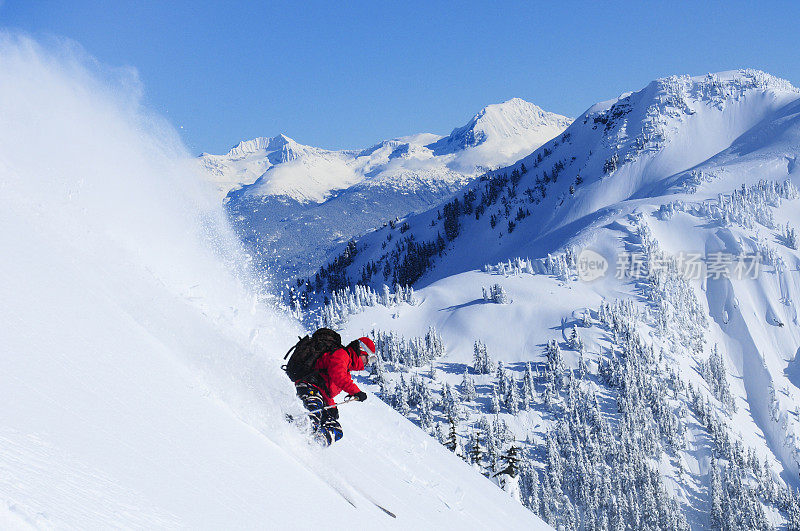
[(335, 367)]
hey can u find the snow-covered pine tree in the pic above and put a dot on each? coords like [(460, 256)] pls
[(509, 473), (468, 391), (496, 294), (583, 368), (475, 452), (386, 298), (529, 485), (488, 364), (553, 353), (452, 437), (432, 371), (439, 433), (500, 375), (477, 358), (482, 363), (790, 236), (450, 402), (528, 389), (434, 343), (714, 372), (575, 341), (425, 406), (401, 398), (495, 400), (512, 396), (492, 450), (376, 372)]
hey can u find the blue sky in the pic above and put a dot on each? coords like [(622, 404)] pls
[(342, 76)]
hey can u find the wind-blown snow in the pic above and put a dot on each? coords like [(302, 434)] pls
[(138, 368)]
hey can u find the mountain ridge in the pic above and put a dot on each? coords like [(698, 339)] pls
[(328, 197), (515, 121), (696, 372), (618, 150)]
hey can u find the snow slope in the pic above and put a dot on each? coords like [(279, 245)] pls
[(138, 367), (688, 164), (283, 195), (651, 139)]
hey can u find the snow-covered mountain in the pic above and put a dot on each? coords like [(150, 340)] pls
[(640, 145), (294, 203), (299, 172), (498, 135), (138, 367), (680, 382)]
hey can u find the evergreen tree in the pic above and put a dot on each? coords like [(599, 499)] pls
[(450, 402), (481, 362), (495, 403), (793, 523), (501, 378), (452, 438), (575, 341), (512, 397), (510, 462), (475, 453), (790, 237), (468, 391), (583, 368), (714, 372), (553, 353), (528, 390), (425, 406), (492, 452), (401, 398), (488, 364), (439, 433)]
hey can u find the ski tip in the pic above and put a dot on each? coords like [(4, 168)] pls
[(390, 513)]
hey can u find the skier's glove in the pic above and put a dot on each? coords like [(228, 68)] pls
[(360, 396)]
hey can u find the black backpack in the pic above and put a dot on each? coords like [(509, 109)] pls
[(306, 352)]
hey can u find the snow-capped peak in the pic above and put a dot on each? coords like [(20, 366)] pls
[(263, 143), (499, 122)]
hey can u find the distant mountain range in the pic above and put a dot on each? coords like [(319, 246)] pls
[(294, 203)]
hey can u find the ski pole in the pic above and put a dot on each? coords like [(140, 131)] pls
[(345, 401)]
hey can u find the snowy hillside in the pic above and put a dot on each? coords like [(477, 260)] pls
[(670, 369), (139, 369), (634, 147), (283, 195)]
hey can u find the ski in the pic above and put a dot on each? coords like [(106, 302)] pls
[(384, 509), (373, 502)]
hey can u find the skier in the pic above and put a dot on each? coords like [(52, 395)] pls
[(332, 376)]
